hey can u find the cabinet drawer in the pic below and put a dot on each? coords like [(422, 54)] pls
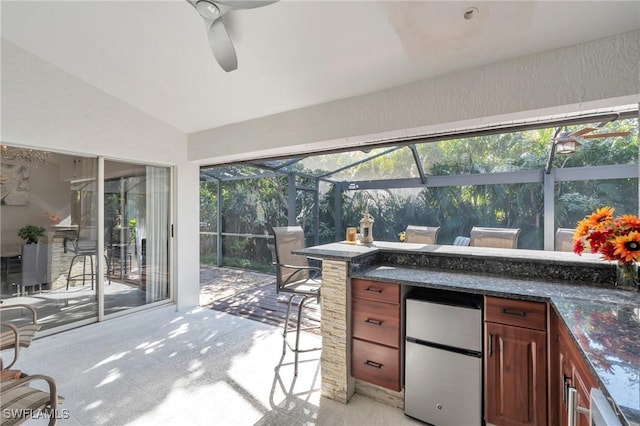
[(374, 290), (376, 322), (376, 364), (520, 313)]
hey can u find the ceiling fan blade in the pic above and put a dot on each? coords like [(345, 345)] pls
[(222, 46), (244, 4), (605, 135), (583, 131)]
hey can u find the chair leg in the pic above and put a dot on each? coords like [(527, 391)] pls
[(286, 325), (93, 271), (84, 269), (73, 259), (106, 262), (295, 348), (298, 325)]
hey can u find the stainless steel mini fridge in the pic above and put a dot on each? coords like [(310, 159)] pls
[(443, 359)]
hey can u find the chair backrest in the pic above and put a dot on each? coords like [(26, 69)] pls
[(421, 234), (86, 240), (564, 239), (494, 237), (461, 241), (287, 239)]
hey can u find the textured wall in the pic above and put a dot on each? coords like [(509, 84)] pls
[(595, 74), (45, 107)]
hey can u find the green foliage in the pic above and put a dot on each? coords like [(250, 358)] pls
[(31, 233), (251, 206)]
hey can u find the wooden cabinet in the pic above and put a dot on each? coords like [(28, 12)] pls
[(375, 327), (515, 362), (572, 372)]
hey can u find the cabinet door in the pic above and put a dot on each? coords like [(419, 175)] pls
[(515, 375), (574, 372)]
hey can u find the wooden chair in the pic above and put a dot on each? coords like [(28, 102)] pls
[(494, 237), (294, 276), (421, 234)]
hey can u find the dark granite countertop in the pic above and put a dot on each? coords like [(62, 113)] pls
[(604, 321), (344, 251)]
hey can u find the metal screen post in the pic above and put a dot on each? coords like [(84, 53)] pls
[(549, 209), (338, 188), (219, 224), (291, 199), (316, 211)]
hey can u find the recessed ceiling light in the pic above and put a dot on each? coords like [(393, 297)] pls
[(470, 13)]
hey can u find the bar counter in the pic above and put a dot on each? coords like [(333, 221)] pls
[(603, 319)]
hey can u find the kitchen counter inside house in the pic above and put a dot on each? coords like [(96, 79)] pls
[(604, 321)]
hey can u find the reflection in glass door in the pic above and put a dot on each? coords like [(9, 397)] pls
[(136, 227), (52, 258), (48, 236)]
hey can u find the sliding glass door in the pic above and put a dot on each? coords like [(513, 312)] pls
[(76, 246), (48, 236), (137, 234)]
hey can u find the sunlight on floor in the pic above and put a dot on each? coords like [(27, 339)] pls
[(197, 367)]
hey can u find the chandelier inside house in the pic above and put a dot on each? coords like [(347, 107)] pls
[(24, 156)]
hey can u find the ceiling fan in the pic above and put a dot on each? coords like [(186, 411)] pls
[(212, 11), (566, 142)]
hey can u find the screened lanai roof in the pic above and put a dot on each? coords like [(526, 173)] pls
[(413, 153)]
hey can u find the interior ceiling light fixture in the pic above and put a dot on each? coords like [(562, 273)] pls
[(24, 156), (470, 13)]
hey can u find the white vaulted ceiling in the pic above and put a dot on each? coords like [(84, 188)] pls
[(155, 56)]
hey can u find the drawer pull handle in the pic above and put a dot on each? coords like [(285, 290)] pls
[(506, 311), (373, 364), (373, 290), (373, 321)]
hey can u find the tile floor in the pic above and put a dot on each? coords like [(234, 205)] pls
[(197, 367)]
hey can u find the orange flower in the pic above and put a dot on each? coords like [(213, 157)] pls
[(615, 238), (627, 247), (630, 222), (601, 219), (581, 230)]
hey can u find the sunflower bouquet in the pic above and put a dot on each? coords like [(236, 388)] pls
[(615, 238)]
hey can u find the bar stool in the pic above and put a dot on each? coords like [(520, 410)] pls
[(421, 234), (494, 237), (84, 249), (293, 276)]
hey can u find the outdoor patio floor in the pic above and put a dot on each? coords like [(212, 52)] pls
[(194, 367), (250, 295)]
